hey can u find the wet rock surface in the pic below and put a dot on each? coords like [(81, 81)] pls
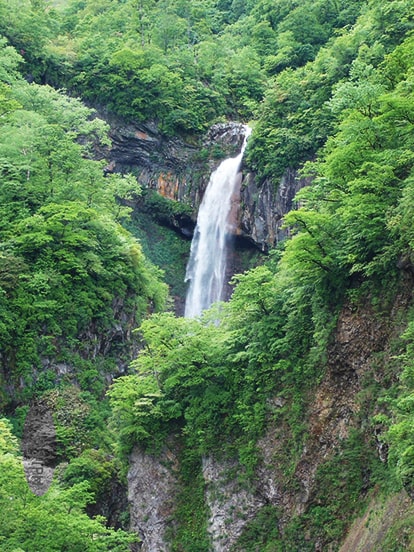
[(180, 171), (263, 207)]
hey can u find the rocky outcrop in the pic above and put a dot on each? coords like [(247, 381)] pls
[(263, 207), (143, 146), (180, 171), (39, 448), (176, 169), (159, 163), (227, 136), (231, 503), (369, 532), (152, 488)]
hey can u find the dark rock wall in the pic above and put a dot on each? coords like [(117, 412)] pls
[(180, 171), (262, 207), (169, 166)]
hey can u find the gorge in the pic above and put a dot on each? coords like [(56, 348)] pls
[(173, 171), (332, 415), (280, 421)]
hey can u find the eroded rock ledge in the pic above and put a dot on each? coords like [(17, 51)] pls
[(180, 171)]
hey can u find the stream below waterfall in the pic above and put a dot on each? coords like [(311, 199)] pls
[(207, 264)]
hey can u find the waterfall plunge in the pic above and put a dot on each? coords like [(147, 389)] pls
[(207, 265)]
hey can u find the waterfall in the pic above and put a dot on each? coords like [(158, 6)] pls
[(207, 264)]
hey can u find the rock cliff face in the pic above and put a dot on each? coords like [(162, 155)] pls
[(152, 489), (180, 171), (361, 348), (165, 165), (262, 208), (39, 448)]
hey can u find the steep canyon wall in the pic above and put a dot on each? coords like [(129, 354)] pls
[(286, 481), (180, 171)]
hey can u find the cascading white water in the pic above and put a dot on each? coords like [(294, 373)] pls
[(207, 265)]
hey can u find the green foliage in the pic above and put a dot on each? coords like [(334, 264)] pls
[(70, 411), (68, 268), (178, 378), (339, 483), (336, 82), (399, 538), (294, 121), (400, 427), (212, 381), (8, 442), (352, 217), (96, 468), (162, 208), (262, 533), (53, 522), (181, 65), (29, 26), (296, 118), (163, 247)]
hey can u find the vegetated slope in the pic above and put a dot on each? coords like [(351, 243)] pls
[(350, 250), (73, 285), (70, 271), (308, 356), (181, 64)]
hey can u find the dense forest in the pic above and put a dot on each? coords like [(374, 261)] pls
[(86, 322)]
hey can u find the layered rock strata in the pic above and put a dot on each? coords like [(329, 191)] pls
[(180, 171)]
